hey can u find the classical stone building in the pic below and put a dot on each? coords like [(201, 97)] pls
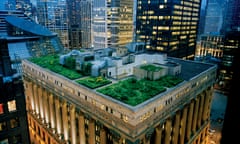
[(61, 110)]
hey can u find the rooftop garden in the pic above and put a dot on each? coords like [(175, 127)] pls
[(94, 82), (51, 62), (149, 67), (133, 92)]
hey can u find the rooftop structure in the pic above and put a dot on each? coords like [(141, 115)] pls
[(82, 113)]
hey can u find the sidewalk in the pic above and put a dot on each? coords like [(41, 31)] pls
[(218, 107)]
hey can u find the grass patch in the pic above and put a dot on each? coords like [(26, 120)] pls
[(94, 82), (134, 92), (51, 62)]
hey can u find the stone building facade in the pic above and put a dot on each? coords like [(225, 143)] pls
[(62, 111)]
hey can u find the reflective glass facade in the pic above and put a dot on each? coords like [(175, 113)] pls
[(52, 14), (79, 15), (112, 23), (168, 26)]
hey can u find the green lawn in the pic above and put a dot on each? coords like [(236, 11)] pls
[(51, 62), (94, 82), (134, 92)]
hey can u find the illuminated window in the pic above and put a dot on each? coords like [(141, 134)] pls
[(12, 106), (3, 126), (14, 123), (1, 109)]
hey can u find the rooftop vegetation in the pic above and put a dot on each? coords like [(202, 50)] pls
[(149, 67), (94, 82), (133, 92), (51, 62)]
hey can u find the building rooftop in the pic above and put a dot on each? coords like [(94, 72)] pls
[(141, 84)]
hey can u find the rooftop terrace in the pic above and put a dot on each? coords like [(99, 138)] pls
[(130, 90)]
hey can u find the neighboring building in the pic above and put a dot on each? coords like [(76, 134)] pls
[(79, 19), (53, 15), (24, 42), (168, 26), (210, 45), (231, 20), (13, 115), (214, 16), (112, 23), (230, 48), (61, 110)]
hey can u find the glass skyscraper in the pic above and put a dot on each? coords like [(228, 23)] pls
[(168, 26), (112, 23), (52, 14), (79, 19)]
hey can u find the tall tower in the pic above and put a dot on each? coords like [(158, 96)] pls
[(214, 16), (52, 14), (13, 117), (231, 17), (79, 19), (112, 23), (231, 29), (168, 26)]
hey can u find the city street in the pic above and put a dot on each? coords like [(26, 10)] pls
[(218, 107)]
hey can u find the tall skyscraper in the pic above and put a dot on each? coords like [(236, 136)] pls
[(53, 15), (231, 18), (230, 65), (133, 99), (112, 23), (13, 116), (79, 23), (214, 16), (168, 26)]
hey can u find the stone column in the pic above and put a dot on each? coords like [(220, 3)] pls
[(176, 128), (189, 120), (40, 99), (73, 124), (103, 136), (58, 116), (65, 120), (195, 115), (183, 125), (158, 135), (168, 127), (200, 118), (91, 127), (46, 107), (36, 104), (81, 128), (52, 111)]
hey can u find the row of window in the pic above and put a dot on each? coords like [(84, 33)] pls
[(11, 107), (13, 123)]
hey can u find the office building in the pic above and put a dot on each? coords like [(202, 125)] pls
[(79, 19), (23, 42), (13, 115), (231, 18), (214, 16), (112, 23), (230, 72), (53, 15), (168, 26), (210, 45), (135, 98)]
